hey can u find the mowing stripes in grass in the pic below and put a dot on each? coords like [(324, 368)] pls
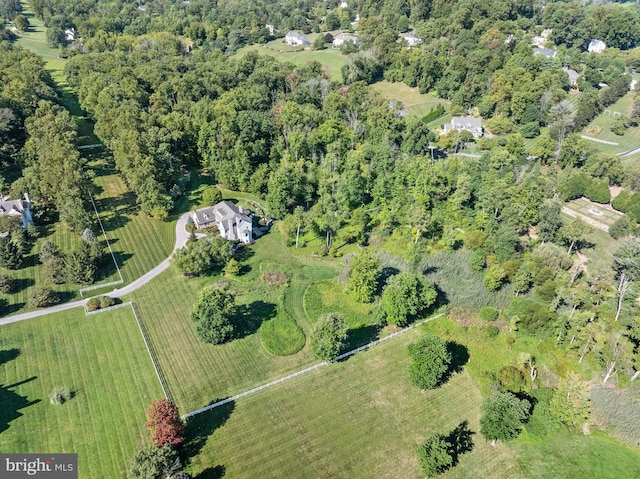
[(103, 360)]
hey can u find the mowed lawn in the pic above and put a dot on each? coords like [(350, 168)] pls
[(418, 104), (357, 418), (103, 360), (139, 243), (331, 58), (626, 142), (199, 373)]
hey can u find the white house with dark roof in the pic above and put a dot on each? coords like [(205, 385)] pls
[(340, 38), (17, 208), (596, 46), (296, 38), (411, 39), (465, 123), (233, 222)]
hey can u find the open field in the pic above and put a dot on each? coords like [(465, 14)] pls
[(356, 418), (359, 418), (628, 141), (417, 103), (198, 373), (331, 58), (139, 243), (103, 360)]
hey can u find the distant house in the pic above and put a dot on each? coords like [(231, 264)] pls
[(296, 38), (233, 222), (411, 39), (542, 39), (271, 29), (344, 5), (340, 38), (596, 46), (70, 34), (546, 52), (573, 76), (17, 208), (465, 123)]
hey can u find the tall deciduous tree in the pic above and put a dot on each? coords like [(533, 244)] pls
[(405, 296), (434, 455), (430, 361), (627, 265), (164, 423), (502, 416), (570, 402), (213, 315), (328, 337), (363, 276)]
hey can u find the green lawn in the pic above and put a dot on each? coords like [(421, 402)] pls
[(418, 104), (139, 243), (331, 58), (357, 418), (628, 141), (198, 373), (102, 358)]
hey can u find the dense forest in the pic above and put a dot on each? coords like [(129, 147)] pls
[(337, 161)]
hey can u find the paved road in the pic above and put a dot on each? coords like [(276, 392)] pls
[(181, 239), (629, 152)]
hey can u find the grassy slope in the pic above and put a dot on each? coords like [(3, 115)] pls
[(331, 58), (417, 103), (103, 359)]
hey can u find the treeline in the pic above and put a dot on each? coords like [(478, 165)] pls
[(38, 153)]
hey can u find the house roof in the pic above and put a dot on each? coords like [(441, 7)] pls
[(297, 36), (225, 210), (468, 123), (547, 52), (346, 37), (573, 75), (410, 35), (596, 45), (11, 208)]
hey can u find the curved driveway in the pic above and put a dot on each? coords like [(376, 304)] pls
[(182, 236)]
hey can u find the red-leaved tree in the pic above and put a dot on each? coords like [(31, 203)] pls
[(164, 423)]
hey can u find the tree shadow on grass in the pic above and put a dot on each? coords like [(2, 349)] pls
[(459, 357), (386, 273), (11, 308), (11, 401), (212, 473), (251, 316), (23, 283), (199, 428), (460, 441), (359, 336)]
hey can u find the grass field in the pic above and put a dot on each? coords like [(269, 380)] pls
[(587, 208), (139, 243), (103, 360), (359, 418), (331, 58), (199, 373), (628, 141), (417, 103)]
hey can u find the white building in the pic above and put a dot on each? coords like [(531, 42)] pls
[(70, 34), (597, 46), (18, 209), (340, 38), (296, 38), (466, 123), (542, 39), (271, 29), (233, 222), (411, 39)]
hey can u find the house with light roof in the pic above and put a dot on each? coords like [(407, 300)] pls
[(233, 222), (295, 38), (17, 209)]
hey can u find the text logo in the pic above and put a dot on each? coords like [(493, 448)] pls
[(44, 466)]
